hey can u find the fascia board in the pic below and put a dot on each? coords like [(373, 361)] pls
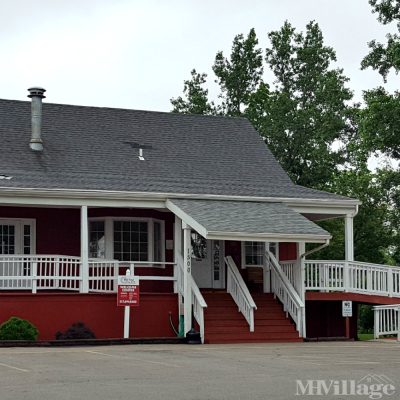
[(120, 195), (76, 202), (258, 237)]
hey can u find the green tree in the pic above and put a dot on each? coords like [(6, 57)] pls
[(240, 76), (196, 101), (380, 122), (305, 120), (384, 57)]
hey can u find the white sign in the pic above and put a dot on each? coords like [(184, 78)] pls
[(128, 280), (347, 308)]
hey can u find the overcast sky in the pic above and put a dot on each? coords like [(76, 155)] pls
[(136, 54)]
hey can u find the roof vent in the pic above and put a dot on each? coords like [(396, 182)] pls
[(36, 94)]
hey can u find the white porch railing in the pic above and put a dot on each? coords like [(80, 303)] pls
[(386, 320), (34, 272), (197, 299), (239, 292), (286, 293), (352, 276), (57, 272)]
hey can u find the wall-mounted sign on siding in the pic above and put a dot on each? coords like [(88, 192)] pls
[(128, 291)]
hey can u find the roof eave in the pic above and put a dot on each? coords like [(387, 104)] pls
[(126, 195)]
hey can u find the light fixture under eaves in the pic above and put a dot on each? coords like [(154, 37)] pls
[(141, 155)]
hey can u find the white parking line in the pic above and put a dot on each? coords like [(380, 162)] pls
[(10, 366), (136, 359)]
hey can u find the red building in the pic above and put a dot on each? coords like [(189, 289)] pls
[(196, 206)]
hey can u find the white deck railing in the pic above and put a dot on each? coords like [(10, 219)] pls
[(352, 276), (197, 299), (58, 272), (386, 320), (286, 293), (239, 292)]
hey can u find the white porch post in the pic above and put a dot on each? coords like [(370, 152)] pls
[(266, 272), (187, 265), (349, 239), (301, 277), (177, 250), (301, 271), (84, 250)]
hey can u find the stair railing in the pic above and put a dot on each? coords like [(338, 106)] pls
[(286, 293), (197, 299), (239, 292)]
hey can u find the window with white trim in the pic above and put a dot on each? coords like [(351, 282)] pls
[(127, 239), (17, 236), (253, 253)]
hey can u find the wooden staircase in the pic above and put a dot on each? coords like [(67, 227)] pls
[(223, 322)]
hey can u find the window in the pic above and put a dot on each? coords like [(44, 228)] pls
[(157, 241), (253, 253), (97, 240), (17, 236), (127, 239), (131, 241)]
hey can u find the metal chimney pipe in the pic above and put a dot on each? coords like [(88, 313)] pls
[(36, 94)]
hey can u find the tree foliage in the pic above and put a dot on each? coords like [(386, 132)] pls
[(305, 119), (380, 122), (240, 76), (384, 57), (196, 101)]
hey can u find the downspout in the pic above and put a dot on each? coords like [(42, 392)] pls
[(316, 249)]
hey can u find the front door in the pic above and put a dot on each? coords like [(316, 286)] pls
[(207, 262)]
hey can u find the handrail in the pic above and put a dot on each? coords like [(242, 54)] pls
[(197, 299), (286, 293), (386, 320), (239, 292)]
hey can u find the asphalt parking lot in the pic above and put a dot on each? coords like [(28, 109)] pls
[(256, 371)]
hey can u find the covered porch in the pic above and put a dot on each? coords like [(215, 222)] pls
[(178, 247)]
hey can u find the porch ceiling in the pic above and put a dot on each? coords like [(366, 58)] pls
[(247, 221)]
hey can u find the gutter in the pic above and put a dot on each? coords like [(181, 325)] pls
[(126, 195)]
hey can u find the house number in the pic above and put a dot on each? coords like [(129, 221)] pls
[(188, 261)]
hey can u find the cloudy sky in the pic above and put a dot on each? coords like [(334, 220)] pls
[(136, 54)]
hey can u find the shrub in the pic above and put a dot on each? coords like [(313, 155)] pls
[(18, 329), (77, 331)]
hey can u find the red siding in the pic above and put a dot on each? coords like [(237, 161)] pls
[(324, 319), (53, 312), (287, 251)]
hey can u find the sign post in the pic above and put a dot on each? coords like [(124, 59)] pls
[(128, 295), (347, 312)]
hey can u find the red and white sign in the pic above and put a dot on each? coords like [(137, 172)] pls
[(128, 291)]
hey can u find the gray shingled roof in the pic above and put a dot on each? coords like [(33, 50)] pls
[(245, 217), (89, 148)]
